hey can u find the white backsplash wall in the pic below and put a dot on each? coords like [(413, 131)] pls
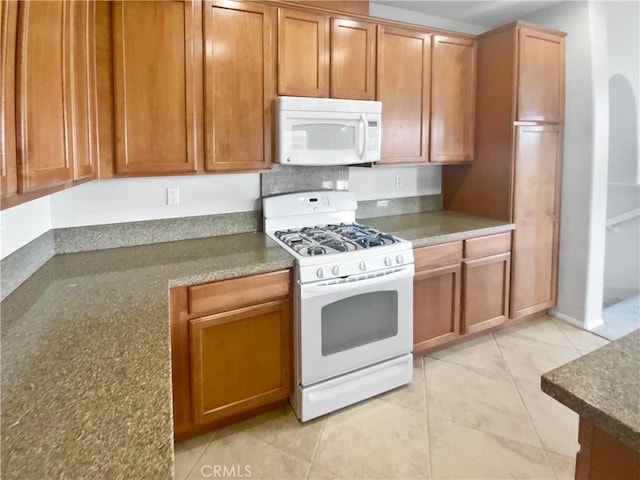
[(138, 199), (380, 182), (135, 199), (21, 224)]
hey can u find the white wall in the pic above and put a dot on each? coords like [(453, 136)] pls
[(134, 199), (401, 15), (137, 199), (21, 224), (583, 213)]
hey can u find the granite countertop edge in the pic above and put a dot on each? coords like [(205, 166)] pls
[(608, 401), (453, 237)]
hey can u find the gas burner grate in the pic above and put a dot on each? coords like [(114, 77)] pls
[(333, 238)]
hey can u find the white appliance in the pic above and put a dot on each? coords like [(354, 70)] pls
[(353, 301), (326, 131)]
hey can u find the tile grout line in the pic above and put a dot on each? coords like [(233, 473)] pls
[(553, 319), (524, 405), (315, 449), (426, 405), (213, 434)]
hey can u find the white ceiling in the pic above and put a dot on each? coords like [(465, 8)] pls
[(483, 13)]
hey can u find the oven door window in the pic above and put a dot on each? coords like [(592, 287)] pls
[(358, 320)]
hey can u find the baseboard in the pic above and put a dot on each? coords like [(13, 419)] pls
[(586, 325)]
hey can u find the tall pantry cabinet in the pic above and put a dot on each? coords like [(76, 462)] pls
[(516, 173)]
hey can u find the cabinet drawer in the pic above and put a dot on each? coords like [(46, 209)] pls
[(485, 246), (237, 292), (437, 255)]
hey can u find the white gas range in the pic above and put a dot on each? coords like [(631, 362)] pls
[(353, 301)]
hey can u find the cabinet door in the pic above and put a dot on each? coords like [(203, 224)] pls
[(535, 241), (404, 63), (540, 76), (43, 105), (303, 53), (353, 59), (486, 292), (8, 160), (453, 68), (82, 89), (240, 360), (157, 86), (239, 85), (436, 307), (535, 250)]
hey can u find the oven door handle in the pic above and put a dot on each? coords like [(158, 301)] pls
[(324, 287)]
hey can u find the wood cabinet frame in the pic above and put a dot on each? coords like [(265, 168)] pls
[(382, 90), (8, 158), (197, 308), (469, 290), (192, 121), (266, 83), (286, 67)]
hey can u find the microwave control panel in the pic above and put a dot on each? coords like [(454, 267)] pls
[(373, 135)]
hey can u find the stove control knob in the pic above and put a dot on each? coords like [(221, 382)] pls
[(320, 273), (388, 261), (399, 259), (363, 266), (336, 270)]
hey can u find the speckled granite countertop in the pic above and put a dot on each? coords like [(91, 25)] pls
[(86, 371), (86, 368), (603, 387), (440, 226)]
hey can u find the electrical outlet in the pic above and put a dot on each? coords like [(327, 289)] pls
[(398, 180), (173, 196)]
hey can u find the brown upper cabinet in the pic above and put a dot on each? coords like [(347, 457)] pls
[(453, 73), (303, 53), (540, 76), (240, 52), (157, 86), (8, 161), (43, 106), (321, 56), (353, 59), (403, 73)]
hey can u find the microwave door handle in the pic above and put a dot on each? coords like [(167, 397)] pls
[(363, 136)]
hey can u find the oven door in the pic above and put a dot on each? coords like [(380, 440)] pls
[(360, 321)]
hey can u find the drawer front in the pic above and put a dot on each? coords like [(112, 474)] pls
[(237, 292), (485, 246), (437, 255)]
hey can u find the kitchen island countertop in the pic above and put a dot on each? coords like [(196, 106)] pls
[(86, 367), (603, 387)]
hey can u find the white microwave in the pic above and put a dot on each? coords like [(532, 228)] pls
[(326, 131)]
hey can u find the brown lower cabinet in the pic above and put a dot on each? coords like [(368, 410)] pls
[(460, 288), (231, 349)]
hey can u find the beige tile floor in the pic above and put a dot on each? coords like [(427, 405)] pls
[(473, 411)]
